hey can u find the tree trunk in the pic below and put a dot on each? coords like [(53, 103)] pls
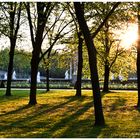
[(106, 65), (34, 70), (106, 78), (138, 58), (42, 11), (47, 72), (13, 37), (47, 80), (99, 118), (10, 67), (80, 66)]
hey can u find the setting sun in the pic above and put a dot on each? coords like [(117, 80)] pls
[(129, 37)]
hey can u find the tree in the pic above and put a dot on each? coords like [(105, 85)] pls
[(109, 48), (80, 65), (56, 30), (80, 53), (99, 118), (89, 16), (43, 12), (13, 13)]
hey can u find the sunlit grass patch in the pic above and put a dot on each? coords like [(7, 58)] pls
[(60, 114)]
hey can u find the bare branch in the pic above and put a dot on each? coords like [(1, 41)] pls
[(56, 20), (30, 22)]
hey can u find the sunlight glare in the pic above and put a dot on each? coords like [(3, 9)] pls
[(129, 37)]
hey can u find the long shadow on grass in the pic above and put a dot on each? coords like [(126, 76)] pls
[(16, 111), (118, 103), (45, 106), (41, 110), (82, 128), (72, 126)]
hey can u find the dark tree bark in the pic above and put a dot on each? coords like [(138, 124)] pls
[(80, 66), (47, 80), (99, 118), (34, 70), (13, 38), (106, 63), (47, 73), (106, 77), (138, 57), (10, 67)]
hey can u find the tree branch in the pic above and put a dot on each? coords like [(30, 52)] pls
[(18, 21), (30, 23), (106, 18)]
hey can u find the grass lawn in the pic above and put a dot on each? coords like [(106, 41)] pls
[(60, 114)]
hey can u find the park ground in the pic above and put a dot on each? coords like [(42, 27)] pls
[(59, 114)]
